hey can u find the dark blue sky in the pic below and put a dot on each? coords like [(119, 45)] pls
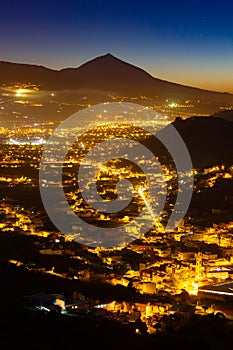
[(190, 42)]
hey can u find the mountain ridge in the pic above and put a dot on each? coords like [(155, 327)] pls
[(105, 72)]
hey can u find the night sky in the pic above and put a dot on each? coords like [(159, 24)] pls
[(185, 41)]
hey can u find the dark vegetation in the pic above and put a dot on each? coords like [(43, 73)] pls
[(22, 327)]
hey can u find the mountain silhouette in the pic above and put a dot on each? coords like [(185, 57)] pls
[(105, 73)]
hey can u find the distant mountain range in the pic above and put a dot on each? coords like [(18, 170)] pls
[(105, 73), (208, 139)]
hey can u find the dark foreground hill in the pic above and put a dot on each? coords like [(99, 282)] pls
[(208, 139)]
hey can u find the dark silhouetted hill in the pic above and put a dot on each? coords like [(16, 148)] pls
[(208, 139)]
